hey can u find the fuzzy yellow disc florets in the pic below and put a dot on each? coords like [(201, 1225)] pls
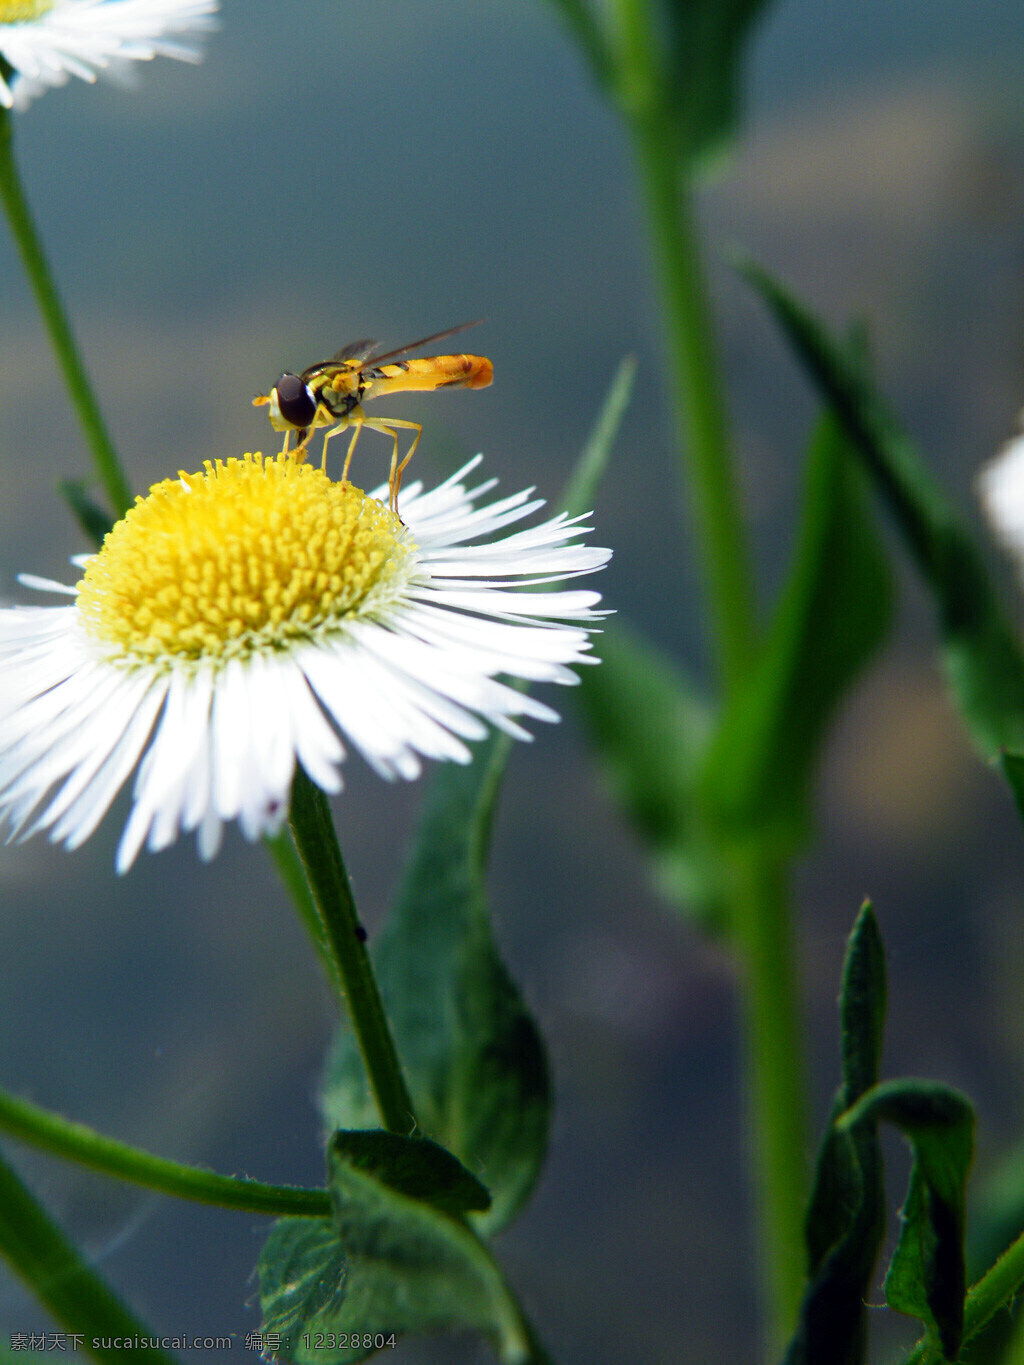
[(21, 11), (251, 555)]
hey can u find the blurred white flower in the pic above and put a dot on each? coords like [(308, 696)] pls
[(250, 616), (43, 42), (1001, 486)]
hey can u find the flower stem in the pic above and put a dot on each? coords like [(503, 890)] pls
[(293, 878), (759, 913), (76, 1142), (51, 1267), (700, 411), (693, 359), (313, 831), (762, 934), (79, 388)]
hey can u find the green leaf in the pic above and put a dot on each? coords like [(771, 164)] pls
[(706, 41), (1012, 766), (997, 1210), (846, 1216), (472, 1055), (982, 658), (583, 26), (589, 470), (862, 1006), (832, 615), (94, 519), (414, 1166), (385, 1263), (673, 62), (649, 727), (303, 1271), (927, 1276)]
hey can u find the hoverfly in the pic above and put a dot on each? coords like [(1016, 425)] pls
[(331, 394)]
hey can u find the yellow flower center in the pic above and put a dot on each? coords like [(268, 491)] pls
[(253, 555), (20, 11)]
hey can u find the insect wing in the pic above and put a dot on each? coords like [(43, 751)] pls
[(426, 341), (355, 350)]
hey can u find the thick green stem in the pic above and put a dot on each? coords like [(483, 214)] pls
[(33, 258), (696, 387), (75, 1142), (763, 936), (313, 831), (693, 355), (760, 921), (53, 1270)]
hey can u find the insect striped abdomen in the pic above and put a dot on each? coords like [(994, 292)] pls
[(426, 373)]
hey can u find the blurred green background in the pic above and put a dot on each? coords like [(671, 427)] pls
[(388, 168)]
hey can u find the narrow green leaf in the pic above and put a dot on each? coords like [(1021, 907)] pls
[(583, 26), (846, 1217), (472, 1055), (94, 519), (982, 658), (927, 1276), (414, 1166), (649, 726), (862, 1006), (386, 1263), (1012, 766), (706, 42), (832, 615), (997, 1211), (589, 470)]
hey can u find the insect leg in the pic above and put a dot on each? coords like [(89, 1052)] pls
[(387, 426), (301, 444), (358, 424)]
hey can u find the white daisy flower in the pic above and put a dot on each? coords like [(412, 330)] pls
[(256, 614), (43, 42)]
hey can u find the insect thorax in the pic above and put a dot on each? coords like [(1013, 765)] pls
[(343, 399)]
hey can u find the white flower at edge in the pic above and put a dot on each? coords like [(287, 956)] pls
[(45, 42), (257, 614), (1001, 486)]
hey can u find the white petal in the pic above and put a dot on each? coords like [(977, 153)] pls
[(1001, 485), (83, 37), (421, 673)]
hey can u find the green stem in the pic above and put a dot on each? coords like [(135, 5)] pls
[(760, 919), (693, 364), (34, 260), (289, 868), (762, 933), (51, 1267), (693, 355), (75, 1142), (313, 831)]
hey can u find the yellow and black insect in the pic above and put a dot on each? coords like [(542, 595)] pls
[(331, 394)]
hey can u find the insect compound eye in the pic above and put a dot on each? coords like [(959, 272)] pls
[(295, 400)]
